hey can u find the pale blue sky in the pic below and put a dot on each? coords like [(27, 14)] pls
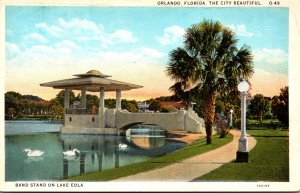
[(80, 38)]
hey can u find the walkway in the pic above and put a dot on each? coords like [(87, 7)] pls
[(194, 167)]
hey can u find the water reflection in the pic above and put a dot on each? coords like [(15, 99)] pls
[(102, 152), (97, 153), (147, 143), (33, 159)]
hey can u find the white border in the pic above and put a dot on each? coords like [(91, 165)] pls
[(294, 91)]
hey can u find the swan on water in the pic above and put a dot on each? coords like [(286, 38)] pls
[(71, 152), (34, 153), (122, 146)]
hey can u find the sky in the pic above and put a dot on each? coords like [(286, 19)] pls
[(131, 44)]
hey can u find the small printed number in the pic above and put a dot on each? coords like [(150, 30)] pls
[(274, 2), (263, 185)]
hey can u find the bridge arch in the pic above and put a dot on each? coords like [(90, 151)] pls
[(180, 120), (124, 130), (126, 127)]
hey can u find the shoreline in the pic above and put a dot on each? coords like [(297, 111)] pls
[(185, 136)]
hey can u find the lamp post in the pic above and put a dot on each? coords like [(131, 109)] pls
[(230, 123), (242, 153)]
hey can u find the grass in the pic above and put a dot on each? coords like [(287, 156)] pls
[(266, 124), (196, 148), (268, 161)]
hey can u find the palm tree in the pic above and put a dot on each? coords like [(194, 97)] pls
[(211, 60)]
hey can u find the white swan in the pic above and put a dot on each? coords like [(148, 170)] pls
[(34, 153), (122, 146), (71, 153)]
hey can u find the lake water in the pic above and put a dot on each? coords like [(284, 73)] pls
[(97, 152)]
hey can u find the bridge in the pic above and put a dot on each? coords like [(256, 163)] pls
[(113, 121)]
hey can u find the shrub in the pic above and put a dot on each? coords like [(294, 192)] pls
[(221, 124), (168, 109)]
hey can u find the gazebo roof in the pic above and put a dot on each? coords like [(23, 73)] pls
[(92, 81)]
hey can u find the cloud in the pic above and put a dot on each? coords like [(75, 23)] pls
[(40, 49), (271, 56), (76, 23), (51, 29), (150, 52), (83, 30), (240, 30), (122, 36), (35, 38), (12, 48), (66, 47), (171, 35), (271, 60)]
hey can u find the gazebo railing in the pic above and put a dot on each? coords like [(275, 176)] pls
[(81, 111)]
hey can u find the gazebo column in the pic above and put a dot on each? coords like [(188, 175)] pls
[(102, 109), (118, 99), (66, 100), (83, 98), (102, 95), (66, 103)]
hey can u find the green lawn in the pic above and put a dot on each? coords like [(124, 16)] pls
[(268, 161), (186, 152)]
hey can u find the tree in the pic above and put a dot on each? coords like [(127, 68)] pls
[(280, 106), (60, 97), (110, 103), (57, 108), (259, 105), (91, 100), (14, 100), (211, 60), (168, 109), (11, 112), (129, 105), (32, 97), (57, 103), (154, 105)]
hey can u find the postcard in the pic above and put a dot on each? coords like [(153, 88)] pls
[(183, 95)]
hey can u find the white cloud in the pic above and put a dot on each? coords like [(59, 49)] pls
[(35, 37), (51, 29), (123, 36), (83, 30), (271, 56), (80, 28), (12, 48), (79, 24), (86, 30), (171, 35), (67, 44), (241, 30), (150, 52), (66, 47), (41, 53)]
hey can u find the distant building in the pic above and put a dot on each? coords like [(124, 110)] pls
[(38, 108), (143, 106)]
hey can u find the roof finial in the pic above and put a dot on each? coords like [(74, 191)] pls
[(92, 73)]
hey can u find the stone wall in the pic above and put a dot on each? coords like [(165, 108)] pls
[(110, 118), (81, 121), (96, 131)]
